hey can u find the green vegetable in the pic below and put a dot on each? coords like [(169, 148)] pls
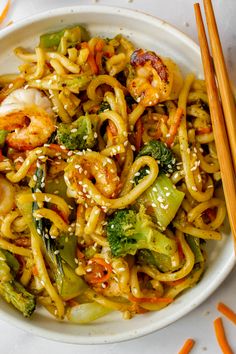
[(104, 106), (62, 263), (129, 231), (164, 156), (157, 260), (11, 290), (61, 187), (74, 35), (67, 245), (86, 313), (3, 135), (82, 138), (194, 244), (11, 261), (14, 293), (162, 200)]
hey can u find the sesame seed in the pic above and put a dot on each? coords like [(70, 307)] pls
[(74, 130), (194, 188), (56, 252), (133, 148), (168, 194), (85, 137), (121, 269)]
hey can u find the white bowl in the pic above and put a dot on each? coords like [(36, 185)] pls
[(151, 33)]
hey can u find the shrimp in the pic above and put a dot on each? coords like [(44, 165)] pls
[(28, 116), (153, 79), (93, 166)]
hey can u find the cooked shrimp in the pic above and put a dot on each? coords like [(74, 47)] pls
[(153, 79), (93, 166), (28, 116), (26, 97)]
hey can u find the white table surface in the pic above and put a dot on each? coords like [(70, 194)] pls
[(199, 323)]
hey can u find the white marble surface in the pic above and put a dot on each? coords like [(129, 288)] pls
[(199, 323)]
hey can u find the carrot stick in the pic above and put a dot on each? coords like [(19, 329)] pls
[(188, 345), (5, 11), (35, 271), (205, 130), (225, 310), (174, 127), (220, 336)]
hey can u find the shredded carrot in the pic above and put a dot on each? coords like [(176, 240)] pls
[(1, 155), (205, 130), (151, 300), (138, 134), (91, 60), (79, 254), (99, 45), (220, 336), (92, 64), (98, 270), (225, 310), (174, 127), (5, 11), (187, 347), (35, 271)]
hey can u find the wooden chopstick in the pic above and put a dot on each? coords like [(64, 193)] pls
[(218, 124), (226, 93)]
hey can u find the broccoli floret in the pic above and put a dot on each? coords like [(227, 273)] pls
[(13, 292), (10, 289), (160, 152), (129, 231), (78, 135)]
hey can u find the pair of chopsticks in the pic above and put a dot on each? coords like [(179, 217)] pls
[(224, 125)]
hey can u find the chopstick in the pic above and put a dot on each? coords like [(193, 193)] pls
[(226, 93), (218, 124)]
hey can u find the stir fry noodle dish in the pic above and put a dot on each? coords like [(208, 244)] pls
[(110, 184)]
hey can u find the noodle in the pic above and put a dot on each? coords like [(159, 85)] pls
[(108, 175)]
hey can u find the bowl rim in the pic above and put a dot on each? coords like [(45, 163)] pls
[(224, 271)]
